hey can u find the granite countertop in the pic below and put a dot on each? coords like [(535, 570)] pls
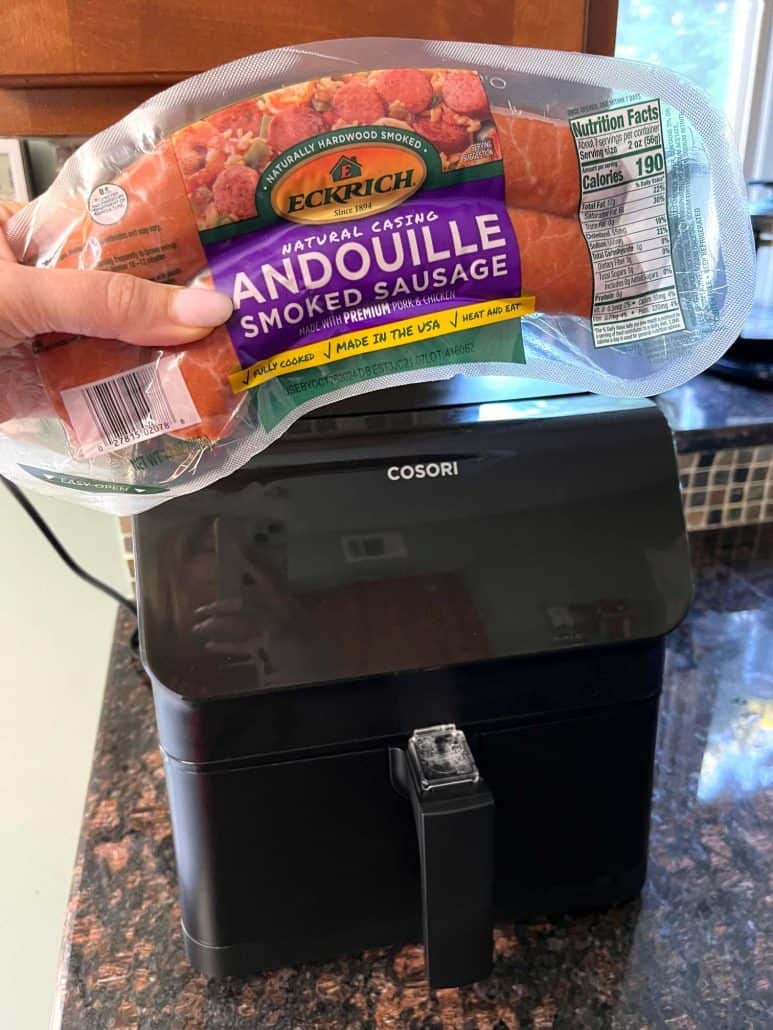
[(695, 952)]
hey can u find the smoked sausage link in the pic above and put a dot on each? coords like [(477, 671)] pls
[(555, 263), (541, 169), (156, 239)]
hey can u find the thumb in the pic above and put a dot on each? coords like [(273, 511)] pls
[(110, 305)]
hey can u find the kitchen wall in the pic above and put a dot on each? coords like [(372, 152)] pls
[(55, 638)]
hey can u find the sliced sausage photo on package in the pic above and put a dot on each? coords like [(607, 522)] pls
[(381, 212)]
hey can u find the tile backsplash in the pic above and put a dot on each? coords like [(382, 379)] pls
[(727, 487)]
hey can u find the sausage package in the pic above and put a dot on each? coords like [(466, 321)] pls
[(381, 211)]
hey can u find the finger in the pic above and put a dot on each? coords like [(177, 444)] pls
[(225, 606), (6, 254), (220, 624), (272, 591), (233, 631), (108, 305), (7, 210), (243, 648)]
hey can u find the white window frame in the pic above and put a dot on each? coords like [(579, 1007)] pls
[(755, 121), (13, 149)]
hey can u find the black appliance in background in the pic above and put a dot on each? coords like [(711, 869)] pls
[(750, 359), (406, 668)]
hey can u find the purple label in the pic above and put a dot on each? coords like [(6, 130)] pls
[(299, 283)]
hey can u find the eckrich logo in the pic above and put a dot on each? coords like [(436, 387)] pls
[(346, 183), (430, 470)]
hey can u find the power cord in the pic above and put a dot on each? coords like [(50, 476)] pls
[(69, 561)]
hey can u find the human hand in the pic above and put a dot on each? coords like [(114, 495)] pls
[(231, 626), (108, 305)]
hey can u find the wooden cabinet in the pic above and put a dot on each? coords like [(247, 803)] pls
[(73, 66)]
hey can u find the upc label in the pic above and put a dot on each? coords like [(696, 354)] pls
[(624, 220), (129, 407)]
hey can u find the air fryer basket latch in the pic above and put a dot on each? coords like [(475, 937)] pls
[(454, 813)]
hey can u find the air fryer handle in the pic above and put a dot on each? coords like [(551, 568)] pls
[(455, 831)]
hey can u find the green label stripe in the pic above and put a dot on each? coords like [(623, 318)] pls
[(474, 173), (500, 342), (92, 486)]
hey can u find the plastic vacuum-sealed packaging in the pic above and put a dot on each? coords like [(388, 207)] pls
[(381, 211)]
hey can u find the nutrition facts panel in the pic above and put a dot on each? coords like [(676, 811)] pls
[(624, 221)]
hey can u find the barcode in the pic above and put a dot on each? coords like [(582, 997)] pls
[(126, 409), (130, 407)]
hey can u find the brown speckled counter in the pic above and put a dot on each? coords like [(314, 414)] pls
[(695, 952)]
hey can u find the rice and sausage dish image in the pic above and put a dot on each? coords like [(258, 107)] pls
[(448, 108)]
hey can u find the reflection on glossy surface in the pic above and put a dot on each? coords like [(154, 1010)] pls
[(416, 539), (738, 758), (708, 402)]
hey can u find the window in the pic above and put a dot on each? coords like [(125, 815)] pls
[(722, 45)]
